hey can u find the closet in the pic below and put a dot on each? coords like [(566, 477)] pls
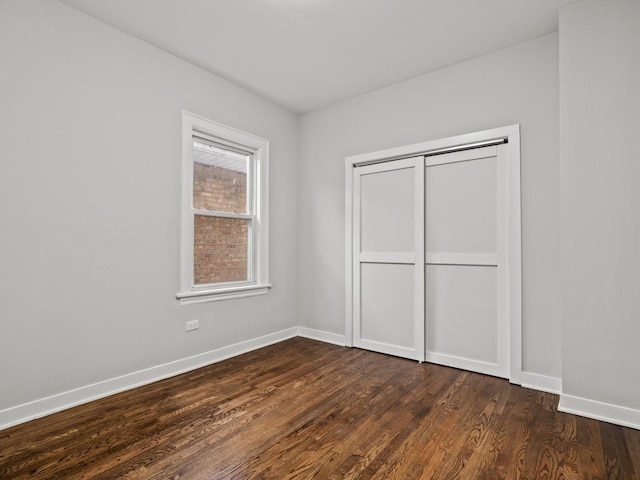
[(433, 243)]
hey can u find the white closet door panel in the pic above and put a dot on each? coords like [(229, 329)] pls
[(461, 312), (387, 206), (388, 257), (387, 304), (461, 206), (464, 275)]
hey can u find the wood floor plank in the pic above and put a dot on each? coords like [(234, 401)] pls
[(331, 433), (304, 409), (618, 461), (633, 443), (366, 454), (435, 440), (234, 429), (591, 455)]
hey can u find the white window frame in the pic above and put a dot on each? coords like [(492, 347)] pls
[(258, 195)]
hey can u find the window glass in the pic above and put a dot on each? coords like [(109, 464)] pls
[(219, 179), (220, 250)]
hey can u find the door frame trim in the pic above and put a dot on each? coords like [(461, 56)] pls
[(509, 133)]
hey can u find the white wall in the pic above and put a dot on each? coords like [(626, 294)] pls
[(600, 200), (515, 85), (90, 204)]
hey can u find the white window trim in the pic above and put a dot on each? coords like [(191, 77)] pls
[(259, 149)]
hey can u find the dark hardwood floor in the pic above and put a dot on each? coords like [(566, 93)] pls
[(305, 409)]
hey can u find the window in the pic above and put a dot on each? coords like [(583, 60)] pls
[(224, 212)]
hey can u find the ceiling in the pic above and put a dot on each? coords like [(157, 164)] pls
[(305, 54)]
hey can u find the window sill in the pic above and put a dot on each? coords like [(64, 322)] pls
[(226, 293)]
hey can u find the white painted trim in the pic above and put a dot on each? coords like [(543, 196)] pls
[(388, 257), (434, 145), (419, 307), (386, 167), (606, 412), (55, 403), (258, 194), (462, 156), (348, 249), (213, 295), (503, 260), (212, 213), (445, 258), (514, 231), (356, 273), (464, 363), (542, 383), (387, 348), (322, 336)]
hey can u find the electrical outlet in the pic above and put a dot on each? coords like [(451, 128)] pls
[(193, 325)]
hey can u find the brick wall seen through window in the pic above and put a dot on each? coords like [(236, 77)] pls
[(220, 244)]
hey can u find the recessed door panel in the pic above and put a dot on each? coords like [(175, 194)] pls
[(461, 206), (462, 312), (387, 211), (387, 298)]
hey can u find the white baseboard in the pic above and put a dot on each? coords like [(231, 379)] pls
[(55, 403), (39, 408), (322, 336), (386, 348), (463, 363), (542, 383), (607, 412)]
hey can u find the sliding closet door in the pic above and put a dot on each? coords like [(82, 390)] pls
[(466, 260), (388, 258)]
